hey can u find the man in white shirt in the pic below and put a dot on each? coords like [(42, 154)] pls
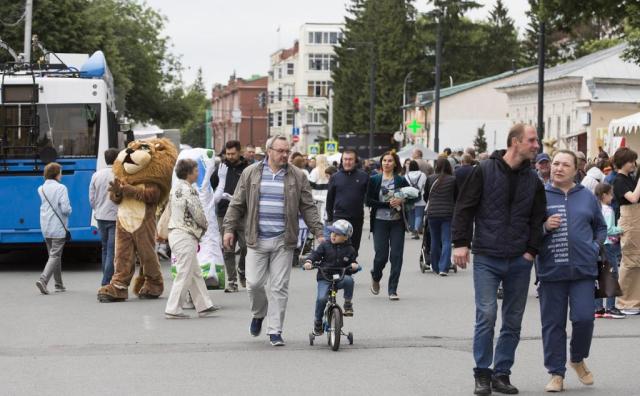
[(105, 212)]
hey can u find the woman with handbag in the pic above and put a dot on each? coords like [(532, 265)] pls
[(186, 226), (55, 209), (567, 269), (440, 193)]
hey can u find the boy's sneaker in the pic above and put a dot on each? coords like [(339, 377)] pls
[(256, 326), (42, 287), (443, 273), (614, 313), (317, 328), (599, 313), (60, 289), (393, 297), (276, 339), (348, 308)]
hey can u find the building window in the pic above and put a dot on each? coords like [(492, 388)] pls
[(318, 88), (548, 131), (278, 118), (315, 117), (279, 71), (290, 69), (271, 97), (322, 62), (558, 128), (324, 37), (568, 125), (271, 120), (279, 94), (290, 115)]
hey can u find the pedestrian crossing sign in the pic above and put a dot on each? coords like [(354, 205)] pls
[(314, 149), (330, 147)]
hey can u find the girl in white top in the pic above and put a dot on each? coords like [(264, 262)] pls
[(320, 183), (416, 179)]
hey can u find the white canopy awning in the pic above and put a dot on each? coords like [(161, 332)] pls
[(407, 150), (625, 125)]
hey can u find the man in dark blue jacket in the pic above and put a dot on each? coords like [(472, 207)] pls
[(345, 198), (507, 201)]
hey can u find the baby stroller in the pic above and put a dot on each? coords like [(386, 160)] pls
[(425, 251)]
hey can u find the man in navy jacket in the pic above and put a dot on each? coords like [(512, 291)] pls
[(345, 198)]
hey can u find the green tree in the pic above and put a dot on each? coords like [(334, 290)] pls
[(480, 141), (193, 130), (384, 29), (502, 48)]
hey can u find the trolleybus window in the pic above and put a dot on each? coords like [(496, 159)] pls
[(72, 129)]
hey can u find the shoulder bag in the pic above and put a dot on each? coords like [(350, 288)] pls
[(67, 236), (606, 285)]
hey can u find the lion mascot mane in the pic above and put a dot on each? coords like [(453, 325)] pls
[(142, 181)]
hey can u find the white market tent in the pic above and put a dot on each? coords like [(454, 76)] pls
[(427, 153), (619, 127), (629, 124)]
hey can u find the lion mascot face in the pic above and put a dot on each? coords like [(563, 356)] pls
[(147, 161)]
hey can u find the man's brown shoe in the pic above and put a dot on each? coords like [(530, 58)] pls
[(584, 375), (556, 384)]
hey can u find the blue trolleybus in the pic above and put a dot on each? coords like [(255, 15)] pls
[(52, 112)]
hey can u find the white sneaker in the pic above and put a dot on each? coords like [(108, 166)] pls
[(630, 311)]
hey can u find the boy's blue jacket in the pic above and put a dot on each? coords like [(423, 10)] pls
[(333, 255), (570, 252)]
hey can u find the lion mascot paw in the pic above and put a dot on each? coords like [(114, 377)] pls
[(142, 181)]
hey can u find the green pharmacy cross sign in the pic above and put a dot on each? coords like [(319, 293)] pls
[(415, 126)]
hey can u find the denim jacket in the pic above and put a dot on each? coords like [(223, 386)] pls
[(59, 197)]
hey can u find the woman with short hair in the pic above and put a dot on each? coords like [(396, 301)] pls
[(55, 209), (567, 269), (187, 225)]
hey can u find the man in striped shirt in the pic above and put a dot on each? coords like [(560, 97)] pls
[(267, 201)]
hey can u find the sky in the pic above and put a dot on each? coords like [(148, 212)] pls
[(223, 36)]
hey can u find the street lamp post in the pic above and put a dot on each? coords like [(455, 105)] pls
[(372, 89), (404, 102), (436, 121)]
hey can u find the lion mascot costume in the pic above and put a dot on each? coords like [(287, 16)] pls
[(142, 181)]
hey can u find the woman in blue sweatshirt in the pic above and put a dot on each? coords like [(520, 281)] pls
[(567, 269)]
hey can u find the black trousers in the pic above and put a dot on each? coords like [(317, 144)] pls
[(356, 222)]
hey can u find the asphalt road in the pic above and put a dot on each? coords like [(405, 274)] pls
[(69, 344)]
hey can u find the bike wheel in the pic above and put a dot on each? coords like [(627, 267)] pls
[(335, 323)]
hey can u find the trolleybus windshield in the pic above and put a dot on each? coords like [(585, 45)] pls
[(71, 129)]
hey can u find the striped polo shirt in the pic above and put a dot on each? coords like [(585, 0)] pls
[(271, 206)]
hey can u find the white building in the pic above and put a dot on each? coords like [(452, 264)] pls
[(581, 97), (303, 72), (464, 108)]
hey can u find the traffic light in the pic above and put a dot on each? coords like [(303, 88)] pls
[(296, 104)]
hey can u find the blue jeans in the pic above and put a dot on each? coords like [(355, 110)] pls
[(107, 230), (323, 293), (613, 254), (555, 299), (416, 217), (440, 230), (488, 273), (388, 242)]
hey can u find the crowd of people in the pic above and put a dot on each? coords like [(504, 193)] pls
[(562, 213)]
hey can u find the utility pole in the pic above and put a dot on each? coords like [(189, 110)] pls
[(330, 114), (372, 101), (436, 129), (404, 102), (28, 16), (541, 61)]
